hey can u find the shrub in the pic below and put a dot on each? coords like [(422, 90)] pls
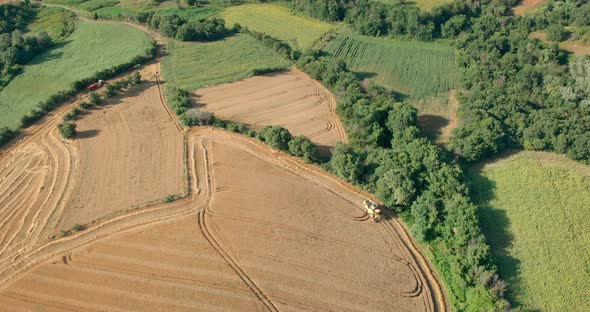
[(170, 198), (197, 117), (78, 228), (303, 147), (276, 137), (136, 78), (6, 134), (94, 98), (67, 129), (556, 33), (85, 105)]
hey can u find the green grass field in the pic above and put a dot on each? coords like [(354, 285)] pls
[(415, 69), (278, 22), (91, 47), (192, 65), (534, 210), (425, 5), (57, 22)]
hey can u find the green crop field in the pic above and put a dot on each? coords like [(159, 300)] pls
[(193, 65), (91, 47), (278, 22), (534, 211), (425, 5), (415, 69)]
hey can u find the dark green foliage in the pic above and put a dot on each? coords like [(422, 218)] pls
[(6, 134), (556, 33), (276, 137), (67, 129), (177, 27), (78, 228), (346, 163), (301, 146), (179, 100), (16, 48), (520, 92), (170, 198), (72, 114)]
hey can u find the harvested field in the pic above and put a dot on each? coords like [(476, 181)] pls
[(289, 99), (130, 164), (292, 239)]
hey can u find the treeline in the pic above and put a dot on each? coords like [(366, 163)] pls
[(374, 18), (276, 137), (520, 92), (44, 107), (389, 157), (179, 28), (67, 128), (16, 49)]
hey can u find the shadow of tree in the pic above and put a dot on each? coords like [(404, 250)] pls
[(86, 134), (432, 125), (495, 225)]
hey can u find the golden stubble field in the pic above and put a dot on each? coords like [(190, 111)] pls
[(256, 230)]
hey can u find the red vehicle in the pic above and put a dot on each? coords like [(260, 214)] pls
[(95, 86)]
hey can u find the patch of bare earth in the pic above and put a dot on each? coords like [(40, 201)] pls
[(289, 99), (527, 6), (259, 231), (574, 46), (453, 119)]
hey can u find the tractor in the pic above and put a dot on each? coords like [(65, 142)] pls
[(373, 210)]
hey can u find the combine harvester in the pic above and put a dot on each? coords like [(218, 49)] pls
[(97, 85), (373, 210)]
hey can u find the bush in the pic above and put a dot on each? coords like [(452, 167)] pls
[(85, 105), (276, 137), (6, 134), (94, 99), (170, 198), (303, 147), (136, 78), (556, 33), (78, 228), (197, 117), (67, 129)]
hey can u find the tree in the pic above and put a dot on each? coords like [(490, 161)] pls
[(276, 137), (425, 214), (556, 33), (301, 146), (136, 78), (346, 163), (67, 129)]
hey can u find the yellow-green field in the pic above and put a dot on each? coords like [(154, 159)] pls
[(534, 211), (425, 5), (192, 65), (278, 22)]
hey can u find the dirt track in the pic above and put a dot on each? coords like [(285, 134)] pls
[(258, 230), (290, 99)]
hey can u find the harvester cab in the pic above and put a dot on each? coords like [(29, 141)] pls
[(373, 210)]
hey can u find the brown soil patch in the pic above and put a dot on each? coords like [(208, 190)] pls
[(574, 46), (527, 6), (289, 99), (291, 239), (453, 119)]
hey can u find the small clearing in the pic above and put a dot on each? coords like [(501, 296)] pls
[(289, 99), (527, 6)]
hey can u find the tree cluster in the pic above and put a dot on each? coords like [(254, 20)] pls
[(520, 92), (388, 156), (17, 49), (179, 28)]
